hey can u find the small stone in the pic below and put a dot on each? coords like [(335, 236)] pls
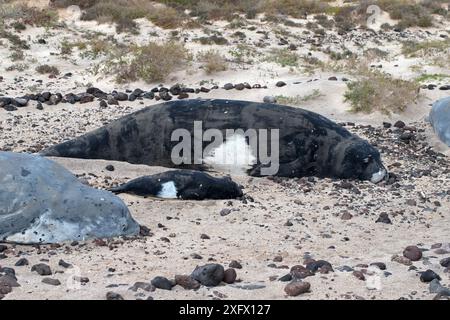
[(319, 265), (225, 212), (280, 84), (429, 276), (64, 264), (278, 259), (228, 86), (187, 282), (285, 278), (399, 124), (52, 282), (110, 167), (21, 262), (42, 269), (113, 296), (346, 216), (296, 288), (229, 276), (209, 275), (332, 79), (384, 218), (403, 260), (204, 236), (359, 275), (413, 253), (81, 280), (142, 285), (445, 262), (235, 264), (162, 283), (380, 265)]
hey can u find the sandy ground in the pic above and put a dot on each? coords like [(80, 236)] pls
[(254, 233)]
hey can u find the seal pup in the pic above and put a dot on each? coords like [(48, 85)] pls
[(306, 143), (182, 184)]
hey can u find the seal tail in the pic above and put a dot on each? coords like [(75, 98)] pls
[(94, 145)]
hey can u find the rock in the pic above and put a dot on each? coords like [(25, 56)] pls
[(55, 205), (103, 104), (162, 283), (120, 96), (142, 285), (300, 272), (239, 86), (320, 265), (229, 276), (429, 276), (113, 296), (64, 264), (187, 282), (110, 167), (3, 248), (183, 95), (42, 269), (8, 271), (225, 212), (209, 275), (280, 84), (82, 280), (332, 79), (235, 264), (384, 218), (204, 236), (228, 86), (52, 282), (346, 216), (285, 278), (399, 124), (112, 101), (440, 119), (402, 260), (345, 269), (445, 262), (296, 288), (21, 262), (380, 265), (436, 287), (8, 280), (413, 253), (359, 275), (39, 106), (269, 99)]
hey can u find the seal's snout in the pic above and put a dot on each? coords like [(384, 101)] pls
[(378, 176)]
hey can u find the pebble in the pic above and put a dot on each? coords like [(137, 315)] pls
[(402, 260), (42, 269), (359, 275), (429, 276), (380, 265), (229, 276), (228, 86), (21, 262), (235, 264), (320, 265), (209, 275), (52, 282), (110, 167), (142, 285), (285, 278), (224, 212), (296, 288), (413, 253), (280, 84), (113, 296), (436, 287), (384, 218), (162, 283), (187, 282), (445, 262), (64, 264)]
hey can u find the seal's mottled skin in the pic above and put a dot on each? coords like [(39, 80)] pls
[(188, 185), (310, 144), (42, 202), (440, 119)]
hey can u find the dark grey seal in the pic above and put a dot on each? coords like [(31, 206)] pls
[(440, 119), (41, 202), (182, 184), (308, 143)]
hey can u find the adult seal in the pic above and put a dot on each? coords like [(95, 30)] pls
[(182, 184), (304, 143)]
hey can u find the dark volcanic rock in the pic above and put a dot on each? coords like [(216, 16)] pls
[(209, 275), (142, 285), (280, 84), (42, 269), (384, 218), (445, 262), (113, 296), (162, 283), (429, 275), (320, 265), (21, 262), (52, 282), (413, 253), (235, 264)]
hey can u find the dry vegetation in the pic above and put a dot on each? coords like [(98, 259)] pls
[(377, 91), (152, 62), (212, 61)]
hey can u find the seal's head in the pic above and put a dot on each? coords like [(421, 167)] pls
[(357, 159), (224, 188)]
